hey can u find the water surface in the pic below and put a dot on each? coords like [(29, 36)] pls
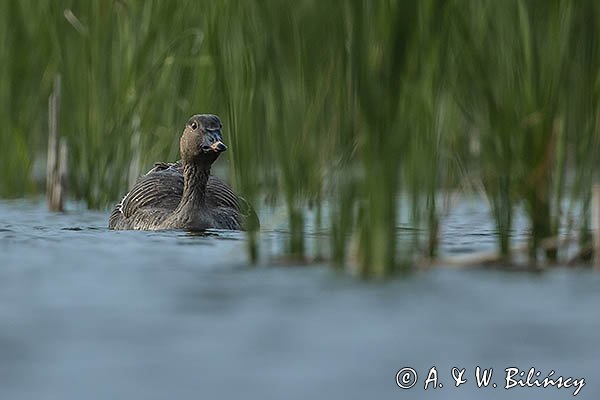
[(95, 314)]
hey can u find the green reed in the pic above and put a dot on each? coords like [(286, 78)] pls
[(515, 81), (336, 110), (582, 107)]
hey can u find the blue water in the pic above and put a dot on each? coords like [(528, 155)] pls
[(87, 313)]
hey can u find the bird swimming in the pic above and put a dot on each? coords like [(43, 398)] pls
[(184, 195)]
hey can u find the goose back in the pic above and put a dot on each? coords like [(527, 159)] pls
[(156, 195)]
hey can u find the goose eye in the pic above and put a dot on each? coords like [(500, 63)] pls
[(194, 125)]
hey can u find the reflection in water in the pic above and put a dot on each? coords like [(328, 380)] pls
[(91, 313), (202, 233)]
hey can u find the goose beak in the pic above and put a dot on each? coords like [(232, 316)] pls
[(218, 147), (213, 143)]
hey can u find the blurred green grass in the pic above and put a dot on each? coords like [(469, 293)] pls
[(343, 103)]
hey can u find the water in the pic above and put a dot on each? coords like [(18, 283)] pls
[(95, 314)]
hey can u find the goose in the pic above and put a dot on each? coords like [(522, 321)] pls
[(184, 195)]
